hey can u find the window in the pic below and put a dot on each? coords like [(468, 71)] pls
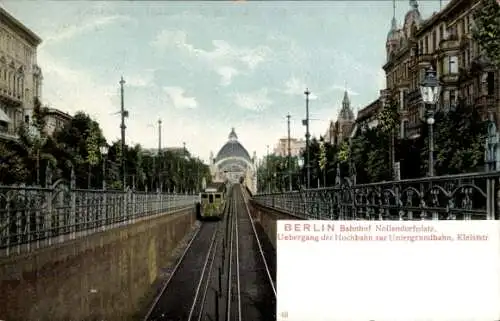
[(491, 83), (27, 119), (426, 45), (211, 198), (441, 32), (452, 32), (453, 64), (453, 97), (420, 47), (434, 41), (446, 100), (404, 128)]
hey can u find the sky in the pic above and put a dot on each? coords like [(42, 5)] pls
[(205, 67)]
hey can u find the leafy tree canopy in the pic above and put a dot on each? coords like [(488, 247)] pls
[(487, 29)]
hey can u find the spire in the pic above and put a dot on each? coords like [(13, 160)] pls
[(394, 23), (345, 100), (232, 135), (346, 111)]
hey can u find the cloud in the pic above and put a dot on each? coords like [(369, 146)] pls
[(256, 101), (226, 73), (70, 31), (178, 99), (294, 86), (143, 79), (223, 54)]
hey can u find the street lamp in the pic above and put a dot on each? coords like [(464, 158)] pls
[(430, 90), (39, 141), (104, 153), (300, 161)]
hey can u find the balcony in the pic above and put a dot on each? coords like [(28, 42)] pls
[(413, 97), (452, 43), (425, 59), (403, 83), (8, 134), (7, 96), (449, 78)]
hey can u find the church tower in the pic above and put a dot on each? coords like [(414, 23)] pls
[(345, 119), (393, 37)]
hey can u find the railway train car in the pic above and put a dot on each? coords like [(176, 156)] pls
[(212, 203)]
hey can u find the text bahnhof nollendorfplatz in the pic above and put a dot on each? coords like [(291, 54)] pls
[(369, 231)]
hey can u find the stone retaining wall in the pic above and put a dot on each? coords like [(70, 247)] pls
[(105, 276)]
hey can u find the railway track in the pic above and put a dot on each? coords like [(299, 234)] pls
[(222, 275)]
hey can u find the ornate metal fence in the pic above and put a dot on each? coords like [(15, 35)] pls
[(33, 217), (465, 197)]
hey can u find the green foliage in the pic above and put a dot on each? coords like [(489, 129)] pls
[(389, 117), (343, 154), (487, 29), (458, 141), (94, 141), (370, 155), (322, 162), (39, 116), (77, 146)]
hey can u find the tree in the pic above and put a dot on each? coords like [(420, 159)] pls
[(370, 155), (458, 141), (486, 29), (389, 118), (13, 169), (33, 142), (93, 143)]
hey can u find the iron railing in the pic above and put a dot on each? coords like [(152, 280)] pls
[(33, 217), (465, 197)]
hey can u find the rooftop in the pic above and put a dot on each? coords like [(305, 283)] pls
[(29, 35)]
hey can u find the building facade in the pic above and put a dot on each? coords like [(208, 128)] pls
[(233, 163), (341, 129), (55, 120), (296, 147), (20, 76), (367, 116), (443, 42)]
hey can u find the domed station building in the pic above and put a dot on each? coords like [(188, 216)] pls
[(233, 164)]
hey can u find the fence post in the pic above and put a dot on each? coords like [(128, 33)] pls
[(49, 194), (124, 206), (72, 213), (491, 198)]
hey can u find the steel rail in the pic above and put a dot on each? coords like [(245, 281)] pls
[(258, 243), (229, 275), (213, 244), (237, 265), (164, 287)]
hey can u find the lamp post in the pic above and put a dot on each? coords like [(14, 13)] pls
[(300, 161), (104, 153), (305, 122), (430, 90)]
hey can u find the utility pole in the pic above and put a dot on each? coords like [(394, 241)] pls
[(158, 155), (289, 156), (123, 114), (184, 166), (306, 123), (268, 172)]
